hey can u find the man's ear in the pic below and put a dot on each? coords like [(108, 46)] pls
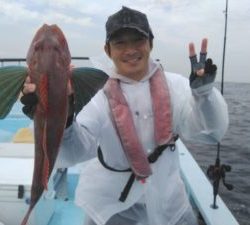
[(107, 50)]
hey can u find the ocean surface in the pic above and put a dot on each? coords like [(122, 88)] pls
[(235, 148), (234, 151)]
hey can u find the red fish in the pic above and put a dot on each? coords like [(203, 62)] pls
[(48, 61)]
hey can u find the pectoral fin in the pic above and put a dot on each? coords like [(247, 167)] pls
[(11, 83), (86, 82)]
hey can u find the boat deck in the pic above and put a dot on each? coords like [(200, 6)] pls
[(51, 211)]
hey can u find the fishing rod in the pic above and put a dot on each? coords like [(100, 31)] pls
[(217, 171)]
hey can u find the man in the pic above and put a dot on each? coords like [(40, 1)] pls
[(135, 120)]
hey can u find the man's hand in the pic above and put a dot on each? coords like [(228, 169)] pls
[(28, 87), (29, 98), (204, 71)]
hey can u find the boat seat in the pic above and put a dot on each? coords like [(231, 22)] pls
[(23, 135)]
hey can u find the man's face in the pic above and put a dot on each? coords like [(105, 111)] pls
[(129, 50)]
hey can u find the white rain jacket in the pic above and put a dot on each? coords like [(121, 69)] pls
[(199, 115)]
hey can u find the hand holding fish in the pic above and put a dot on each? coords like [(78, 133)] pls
[(30, 99), (204, 71), (29, 87)]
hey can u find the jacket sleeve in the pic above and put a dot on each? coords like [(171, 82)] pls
[(80, 140), (199, 114)]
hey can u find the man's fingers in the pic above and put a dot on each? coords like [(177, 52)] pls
[(204, 45), (29, 88), (203, 53), (210, 68), (29, 99), (191, 50), (192, 55), (70, 88), (27, 80)]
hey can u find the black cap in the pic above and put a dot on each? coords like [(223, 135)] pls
[(128, 18)]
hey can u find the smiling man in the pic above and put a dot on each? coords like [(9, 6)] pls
[(134, 122)]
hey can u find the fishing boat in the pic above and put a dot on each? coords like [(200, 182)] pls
[(56, 206)]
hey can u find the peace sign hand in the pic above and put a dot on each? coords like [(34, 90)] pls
[(204, 71)]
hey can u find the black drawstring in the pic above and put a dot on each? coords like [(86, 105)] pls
[(105, 165), (127, 188)]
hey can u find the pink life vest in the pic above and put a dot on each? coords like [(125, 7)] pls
[(123, 121)]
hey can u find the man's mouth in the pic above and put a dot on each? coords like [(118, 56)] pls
[(132, 60)]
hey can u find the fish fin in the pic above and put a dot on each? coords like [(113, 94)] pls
[(86, 82), (11, 82)]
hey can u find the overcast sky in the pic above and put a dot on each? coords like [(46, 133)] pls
[(175, 23)]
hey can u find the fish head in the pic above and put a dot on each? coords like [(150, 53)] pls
[(49, 49)]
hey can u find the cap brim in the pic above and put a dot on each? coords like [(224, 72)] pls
[(128, 26)]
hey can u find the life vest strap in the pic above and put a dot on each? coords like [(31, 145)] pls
[(152, 158)]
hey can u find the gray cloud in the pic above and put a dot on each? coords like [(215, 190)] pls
[(174, 23)]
